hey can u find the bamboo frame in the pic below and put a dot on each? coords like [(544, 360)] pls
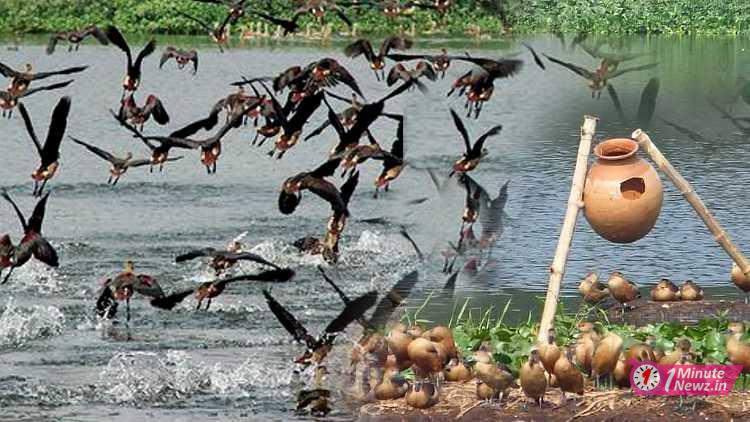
[(695, 201), (575, 203)]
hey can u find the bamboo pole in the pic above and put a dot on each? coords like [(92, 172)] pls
[(575, 203), (695, 201)]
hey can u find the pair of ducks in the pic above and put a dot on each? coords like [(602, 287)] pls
[(619, 287), (666, 291)]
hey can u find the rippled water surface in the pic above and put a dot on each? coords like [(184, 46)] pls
[(232, 362)]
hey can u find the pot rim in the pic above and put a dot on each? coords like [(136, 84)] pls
[(628, 146)]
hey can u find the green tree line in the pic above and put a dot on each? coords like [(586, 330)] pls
[(489, 16)]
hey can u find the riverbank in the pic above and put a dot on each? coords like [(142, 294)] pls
[(473, 17)]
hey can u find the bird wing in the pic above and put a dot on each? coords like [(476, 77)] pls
[(616, 101), (30, 128), (248, 256), (407, 57), (326, 169), (52, 43), (282, 80), (647, 105), (192, 128), (394, 43), (7, 71), (21, 218), (328, 192), (425, 69), (66, 71), (537, 59), (56, 131), (305, 110), (155, 107), (352, 311), (97, 33), (147, 286), (280, 275), (397, 72), (195, 254), (450, 284), (290, 323), (578, 70), (169, 302), (340, 13), (340, 292), (147, 50), (479, 144), (115, 37), (290, 26), (340, 74), (398, 293), (631, 69), (168, 53), (347, 189), (462, 130), (361, 46), (318, 130), (96, 150), (44, 252), (49, 87)]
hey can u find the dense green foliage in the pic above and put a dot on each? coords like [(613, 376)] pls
[(595, 16)]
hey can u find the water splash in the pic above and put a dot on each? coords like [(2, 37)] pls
[(39, 278), (21, 325), (136, 377)]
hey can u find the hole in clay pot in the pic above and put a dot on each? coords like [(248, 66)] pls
[(615, 151), (633, 188)]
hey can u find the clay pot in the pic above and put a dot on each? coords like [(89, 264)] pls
[(623, 193)]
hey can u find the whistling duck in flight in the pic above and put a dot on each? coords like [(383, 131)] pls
[(323, 73), (133, 71), (480, 82), (20, 80), (118, 166), (32, 243), (600, 77), (160, 154), (473, 154), (211, 289), (393, 162), (8, 101), (135, 115), (319, 347), (182, 57), (223, 260), (74, 38), (318, 9), (440, 62), (121, 288), (491, 217), (291, 128), (329, 246), (236, 8), (314, 181), (366, 116), (240, 102), (347, 117), (49, 153), (210, 147), (220, 34), (399, 72), (377, 61)]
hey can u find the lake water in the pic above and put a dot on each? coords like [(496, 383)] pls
[(233, 362)]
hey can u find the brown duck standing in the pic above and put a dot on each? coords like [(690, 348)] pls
[(681, 348), (422, 395), (568, 376), (549, 353), (592, 290), (621, 374), (495, 376), (398, 342), (427, 357), (393, 385), (606, 356), (665, 291), (457, 371), (622, 290), (690, 290), (442, 335), (738, 351), (588, 340), (533, 379)]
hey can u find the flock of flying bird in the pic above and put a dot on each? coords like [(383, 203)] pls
[(279, 107)]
